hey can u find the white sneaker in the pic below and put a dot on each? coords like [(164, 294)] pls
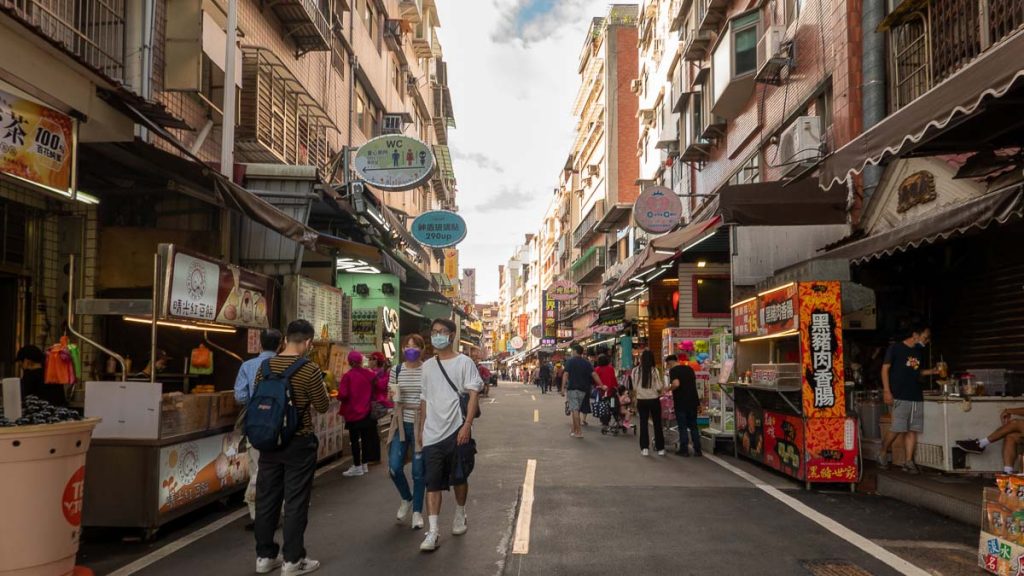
[(417, 520), (403, 511), (661, 452), (353, 471), (304, 566), (366, 468), (645, 452), (459, 525), (429, 543), (268, 565)]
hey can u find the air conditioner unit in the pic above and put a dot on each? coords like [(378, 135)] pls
[(800, 144), (768, 46), (393, 124), (593, 170)]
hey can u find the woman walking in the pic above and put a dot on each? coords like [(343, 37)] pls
[(356, 392), (405, 388), (648, 384)]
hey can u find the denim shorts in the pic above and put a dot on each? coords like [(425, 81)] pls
[(907, 415)]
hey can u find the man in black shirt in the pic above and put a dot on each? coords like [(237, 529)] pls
[(577, 380), (545, 374), (901, 385), (683, 383)]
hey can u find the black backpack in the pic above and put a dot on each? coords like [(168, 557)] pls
[(271, 418)]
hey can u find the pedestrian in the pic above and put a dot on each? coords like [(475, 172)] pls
[(648, 384), (406, 387), (683, 384), (356, 391), (33, 360), (546, 373), (286, 475), (380, 367), (485, 375), (245, 382), (901, 386), (577, 382), (606, 372), (449, 404)]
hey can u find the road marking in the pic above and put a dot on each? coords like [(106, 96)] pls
[(865, 545), (492, 400), (536, 415), (532, 397), (165, 551), (521, 543)]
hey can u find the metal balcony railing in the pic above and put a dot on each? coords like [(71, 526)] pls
[(585, 230), (92, 31), (304, 23), (589, 265)]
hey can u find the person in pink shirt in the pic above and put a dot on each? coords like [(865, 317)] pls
[(356, 391)]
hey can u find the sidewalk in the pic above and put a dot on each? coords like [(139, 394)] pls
[(955, 496)]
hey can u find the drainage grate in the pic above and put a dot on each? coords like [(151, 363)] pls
[(833, 568)]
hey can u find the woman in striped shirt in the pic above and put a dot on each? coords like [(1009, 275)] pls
[(404, 386)]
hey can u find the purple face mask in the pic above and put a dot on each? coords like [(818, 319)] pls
[(411, 354)]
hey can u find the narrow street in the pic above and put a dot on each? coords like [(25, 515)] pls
[(600, 509)]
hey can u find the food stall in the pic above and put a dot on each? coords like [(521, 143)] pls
[(695, 344), (789, 386)]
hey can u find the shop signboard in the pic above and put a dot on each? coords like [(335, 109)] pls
[(550, 315), (439, 229), (783, 443), (524, 321), (821, 349), (537, 331), (364, 327), (36, 142), (744, 318), (832, 449), (191, 471), (777, 310), (202, 289), (320, 304), (562, 290), (394, 162), (451, 264), (517, 343), (611, 323), (657, 210)]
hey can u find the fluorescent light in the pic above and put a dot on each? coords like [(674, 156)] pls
[(373, 214), (617, 301), (770, 336), (82, 197), (701, 264), (783, 287), (742, 302), (626, 290), (603, 342), (657, 274), (699, 241), (181, 325), (663, 251)]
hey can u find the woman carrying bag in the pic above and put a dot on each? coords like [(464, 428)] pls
[(406, 385), (356, 391), (649, 385)]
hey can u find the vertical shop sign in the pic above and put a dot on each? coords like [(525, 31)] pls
[(821, 342), (35, 142), (524, 321), (550, 315), (744, 318)]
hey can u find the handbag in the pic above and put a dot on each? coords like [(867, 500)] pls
[(200, 361), (60, 368), (463, 398), (378, 409)]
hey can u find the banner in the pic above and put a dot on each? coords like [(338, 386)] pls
[(784, 443), (821, 349), (451, 264), (524, 320), (832, 450), (193, 470), (35, 142), (203, 289)]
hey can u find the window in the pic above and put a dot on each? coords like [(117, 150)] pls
[(361, 111), (711, 296), (368, 20), (745, 43), (792, 10), (750, 172), (396, 78), (734, 62)]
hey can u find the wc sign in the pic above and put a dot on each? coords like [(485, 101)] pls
[(394, 163), (71, 502)]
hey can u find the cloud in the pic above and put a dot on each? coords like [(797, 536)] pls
[(481, 160), (531, 21), (506, 198)]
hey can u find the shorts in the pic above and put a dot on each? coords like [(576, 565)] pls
[(907, 415), (448, 464), (576, 399)]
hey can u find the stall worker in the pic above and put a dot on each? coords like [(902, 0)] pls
[(901, 385), (32, 359), (1010, 433), (161, 364)]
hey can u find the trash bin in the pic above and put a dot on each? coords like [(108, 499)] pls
[(42, 481)]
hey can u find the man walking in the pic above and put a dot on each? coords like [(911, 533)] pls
[(546, 373), (286, 475), (683, 383), (446, 428), (577, 381), (270, 341), (901, 385)]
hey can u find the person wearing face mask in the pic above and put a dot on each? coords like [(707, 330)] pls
[(901, 385), (405, 390)]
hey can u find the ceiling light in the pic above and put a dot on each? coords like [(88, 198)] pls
[(701, 264), (198, 326)]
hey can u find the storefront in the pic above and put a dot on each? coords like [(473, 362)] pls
[(375, 310)]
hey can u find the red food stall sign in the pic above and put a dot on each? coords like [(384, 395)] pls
[(832, 450), (744, 318), (777, 310), (821, 349), (783, 443)]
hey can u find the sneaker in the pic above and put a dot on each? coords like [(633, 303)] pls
[(417, 521), (459, 526), (304, 566), (354, 471), (661, 452), (366, 468), (403, 511), (268, 565), (911, 468), (430, 543), (972, 446), (645, 452), (883, 461)]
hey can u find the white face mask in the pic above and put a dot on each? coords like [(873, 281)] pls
[(439, 341)]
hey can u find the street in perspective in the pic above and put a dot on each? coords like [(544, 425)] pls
[(722, 287)]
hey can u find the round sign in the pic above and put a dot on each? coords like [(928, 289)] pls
[(517, 342), (537, 331), (71, 500), (394, 162), (657, 210), (563, 290), (439, 229)]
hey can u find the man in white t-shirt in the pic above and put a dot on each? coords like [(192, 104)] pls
[(447, 433)]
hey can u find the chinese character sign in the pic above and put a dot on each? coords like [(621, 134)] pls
[(550, 315), (564, 290), (35, 142), (394, 162), (439, 229), (206, 290), (821, 349), (744, 318), (777, 310), (524, 320)]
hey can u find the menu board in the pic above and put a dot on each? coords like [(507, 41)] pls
[(323, 306)]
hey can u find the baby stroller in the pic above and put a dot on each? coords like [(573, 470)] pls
[(612, 416)]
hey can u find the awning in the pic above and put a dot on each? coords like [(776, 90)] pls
[(780, 204), (997, 207), (991, 75), (410, 308), (678, 241), (613, 217)]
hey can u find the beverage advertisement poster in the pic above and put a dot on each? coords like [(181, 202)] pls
[(821, 349), (364, 327), (832, 450), (35, 142), (783, 443), (189, 471)]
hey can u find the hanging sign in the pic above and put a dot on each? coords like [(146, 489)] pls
[(35, 142), (821, 349), (202, 289), (744, 318), (517, 343), (564, 290), (550, 315), (439, 229), (657, 210), (394, 162)]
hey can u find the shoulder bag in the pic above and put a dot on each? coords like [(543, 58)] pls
[(463, 398)]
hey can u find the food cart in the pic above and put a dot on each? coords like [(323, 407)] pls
[(789, 385), (696, 345)]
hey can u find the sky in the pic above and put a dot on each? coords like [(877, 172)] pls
[(512, 74)]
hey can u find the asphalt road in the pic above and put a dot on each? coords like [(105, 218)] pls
[(599, 508)]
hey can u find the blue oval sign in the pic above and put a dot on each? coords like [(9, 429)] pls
[(439, 229)]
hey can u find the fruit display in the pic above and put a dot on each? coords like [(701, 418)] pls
[(36, 411)]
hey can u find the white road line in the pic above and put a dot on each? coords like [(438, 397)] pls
[(165, 551), (521, 543), (867, 546), (536, 415), (532, 397)]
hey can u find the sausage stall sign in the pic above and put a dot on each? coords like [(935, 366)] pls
[(394, 163), (439, 229)]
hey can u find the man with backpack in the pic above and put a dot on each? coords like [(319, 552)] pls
[(279, 424), (245, 382), (449, 403)]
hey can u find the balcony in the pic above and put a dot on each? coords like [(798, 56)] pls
[(394, 36), (411, 10), (931, 40), (695, 44), (91, 31), (668, 131), (304, 23), (423, 39), (585, 231), (709, 14), (588, 266)]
